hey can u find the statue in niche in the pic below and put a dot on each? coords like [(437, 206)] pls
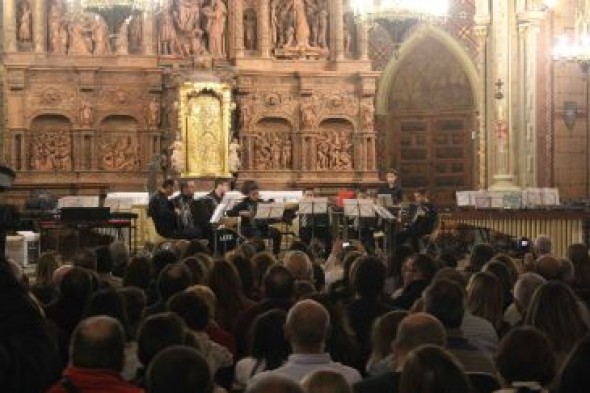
[(234, 156), (187, 19), (25, 23), (276, 152), (168, 40), (250, 27), (172, 115), (86, 114), (100, 36), (287, 154), (345, 157), (58, 33), (335, 150), (135, 33), (349, 29), (246, 114), (368, 117), (301, 30), (153, 111), (123, 38), (80, 43), (51, 151), (216, 19), (308, 114), (323, 155), (177, 156), (120, 154), (322, 24), (274, 23)]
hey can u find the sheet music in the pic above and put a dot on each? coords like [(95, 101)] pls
[(359, 208), (313, 206), (270, 211), (78, 201), (385, 200), (384, 213), (218, 213)]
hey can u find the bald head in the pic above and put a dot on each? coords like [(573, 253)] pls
[(420, 329), (299, 264), (307, 327), (549, 267), (274, 383), (98, 343)]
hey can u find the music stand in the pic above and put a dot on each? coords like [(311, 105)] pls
[(385, 200), (359, 208), (270, 211), (313, 207), (388, 218)]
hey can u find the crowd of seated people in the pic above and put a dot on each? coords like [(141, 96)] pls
[(176, 319)]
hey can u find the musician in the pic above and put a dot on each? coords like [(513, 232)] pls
[(423, 220), (207, 206), (251, 227), (393, 186), (166, 217), (315, 225), (183, 206)]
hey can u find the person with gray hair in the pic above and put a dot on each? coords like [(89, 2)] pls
[(542, 245), (306, 329), (414, 331), (524, 288), (299, 264), (274, 384)]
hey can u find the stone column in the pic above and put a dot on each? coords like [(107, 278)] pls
[(238, 6), (10, 26), (481, 34), (264, 28), (39, 26), (363, 39), (148, 33), (338, 29)]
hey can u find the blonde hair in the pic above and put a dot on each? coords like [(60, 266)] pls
[(485, 298), (325, 381), (48, 263), (207, 295)]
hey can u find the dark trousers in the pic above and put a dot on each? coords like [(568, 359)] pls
[(265, 232), (321, 232)]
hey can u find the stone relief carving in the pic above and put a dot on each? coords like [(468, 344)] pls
[(216, 14), (135, 33), (51, 151), (24, 22), (86, 114), (250, 29), (177, 156), (99, 36), (269, 104), (299, 28), (368, 116), (349, 34), (153, 113), (119, 153), (334, 151), (123, 38), (235, 163), (273, 151), (57, 28), (309, 116)]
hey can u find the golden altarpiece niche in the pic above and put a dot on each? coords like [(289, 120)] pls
[(201, 149)]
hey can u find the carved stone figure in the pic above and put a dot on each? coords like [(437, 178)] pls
[(123, 38), (335, 150), (168, 40), (300, 25), (345, 156), (216, 19), (368, 117), (100, 36), (262, 154), (153, 112), (80, 43), (246, 114), (349, 28), (250, 27), (322, 25), (287, 154), (58, 35), (276, 150), (323, 156), (308, 113), (177, 156), (51, 151), (234, 156), (86, 114), (119, 154), (25, 23), (135, 33)]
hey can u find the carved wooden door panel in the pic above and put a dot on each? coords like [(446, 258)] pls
[(435, 151)]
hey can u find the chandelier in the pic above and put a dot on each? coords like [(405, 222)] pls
[(575, 49), (401, 9)]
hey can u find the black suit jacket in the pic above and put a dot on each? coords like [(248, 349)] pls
[(161, 210), (384, 383)]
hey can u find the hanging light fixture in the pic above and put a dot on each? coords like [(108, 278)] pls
[(575, 49)]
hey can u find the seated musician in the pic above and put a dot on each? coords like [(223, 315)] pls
[(184, 205), (422, 222), (208, 204), (164, 215), (392, 187), (251, 227), (315, 226)]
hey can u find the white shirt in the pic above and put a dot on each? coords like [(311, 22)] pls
[(480, 333), (247, 368), (298, 366)]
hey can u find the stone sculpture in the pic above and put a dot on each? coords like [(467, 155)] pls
[(234, 156), (58, 34), (100, 36), (250, 27), (368, 117), (177, 156), (287, 154), (153, 112), (123, 38), (119, 154), (80, 43), (51, 151), (25, 23), (308, 113), (168, 39), (86, 114), (216, 19)]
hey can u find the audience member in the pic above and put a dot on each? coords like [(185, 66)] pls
[(134, 300), (542, 245), (413, 332), (481, 254), (524, 288), (525, 359), (325, 381), (138, 274), (299, 264), (97, 358), (485, 299), (274, 384), (172, 279), (382, 338), (555, 310), (575, 377), (231, 300), (268, 347), (120, 256), (578, 254), (446, 301), (306, 329), (110, 303), (431, 369), (417, 273), (44, 288), (179, 369), (502, 273), (549, 267), (198, 269), (245, 272), (104, 267), (86, 259)]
